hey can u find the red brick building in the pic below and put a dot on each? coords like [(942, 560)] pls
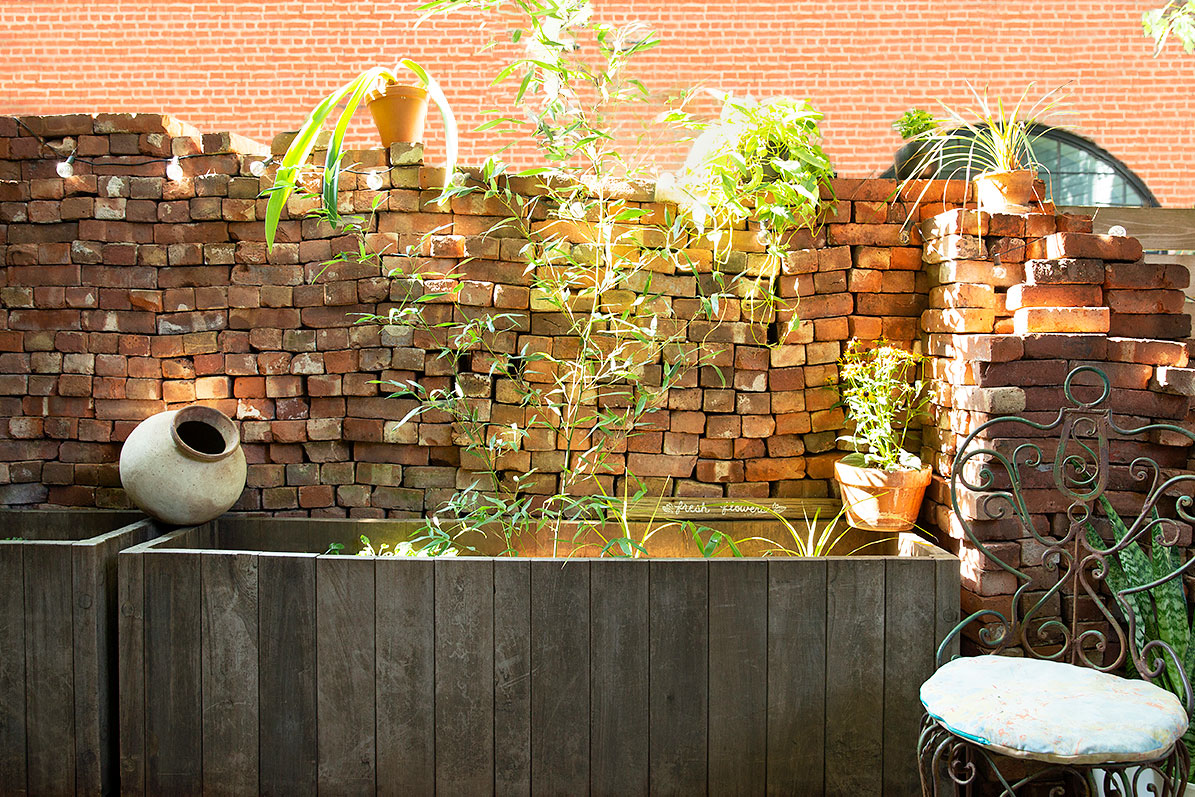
[(256, 68)]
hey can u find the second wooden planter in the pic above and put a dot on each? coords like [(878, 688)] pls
[(58, 648)]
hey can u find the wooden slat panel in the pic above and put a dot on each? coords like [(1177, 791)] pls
[(173, 675), (406, 686), (286, 681), (559, 677), (12, 669), (855, 676), (95, 630), (619, 729), (796, 676), (464, 682), (91, 668), (230, 674), (908, 661), (131, 652), (345, 664), (679, 699), (1156, 228), (512, 677), (49, 669), (738, 622), (947, 599)]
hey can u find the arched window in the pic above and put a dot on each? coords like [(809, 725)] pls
[(1077, 171)]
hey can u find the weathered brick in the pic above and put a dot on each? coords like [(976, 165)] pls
[(1068, 271), (1029, 320), (1084, 245)]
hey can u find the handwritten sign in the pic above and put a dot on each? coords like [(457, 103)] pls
[(732, 508)]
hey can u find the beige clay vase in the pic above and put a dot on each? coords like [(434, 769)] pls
[(881, 500), (184, 467), (399, 111), (1005, 192)]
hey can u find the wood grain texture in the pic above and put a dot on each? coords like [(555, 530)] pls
[(512, 678), (559, 677), (131, 653), (12, 668), (286, 681), (406, 668), (1165, 229), (464, 683), (619, 696), (855, 676), (908, 662), (173, 675), (92, 767), (679, 700), (796, 676), (49, 668), (345, 689), (738, 691), (230, 672), (947, 602)]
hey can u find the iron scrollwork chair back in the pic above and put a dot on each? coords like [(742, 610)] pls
[(1002, 482)]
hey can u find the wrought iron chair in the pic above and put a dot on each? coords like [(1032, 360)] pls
[(1055, 711)]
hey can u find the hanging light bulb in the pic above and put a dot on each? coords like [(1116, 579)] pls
[(373, 181), (67, 167), (174, 169), (1118, 231), (257, 168)]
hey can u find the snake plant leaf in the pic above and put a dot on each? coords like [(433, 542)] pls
[(1171, 605)]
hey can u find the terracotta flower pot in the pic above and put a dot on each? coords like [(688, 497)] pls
[(1005, 192), (881, 500), (399, 111), (184, 467)]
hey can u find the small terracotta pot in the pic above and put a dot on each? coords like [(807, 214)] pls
[(881, 500), (1005, 192), (184, 467), (399, 111)]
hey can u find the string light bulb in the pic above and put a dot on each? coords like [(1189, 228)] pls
[(257, 168), (174, 169), (373, 181), (67, 167), (1118, 231)]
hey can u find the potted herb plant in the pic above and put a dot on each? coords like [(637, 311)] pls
[(991, 145), (913, 158), (882, 483), (398, 110)]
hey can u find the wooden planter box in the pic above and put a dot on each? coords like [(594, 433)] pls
[(284, 671), (58, 648)]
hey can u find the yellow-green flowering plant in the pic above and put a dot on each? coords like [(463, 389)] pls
[(881, 394)]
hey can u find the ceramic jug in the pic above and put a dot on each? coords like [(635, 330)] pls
[(184, 467)]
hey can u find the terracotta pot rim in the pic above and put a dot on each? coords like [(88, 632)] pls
[(395, 90), (993, 175), (212, 417), (894, 476)]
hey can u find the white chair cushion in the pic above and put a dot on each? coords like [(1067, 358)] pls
[(1050, 711)]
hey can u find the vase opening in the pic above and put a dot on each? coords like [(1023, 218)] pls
[(201, 437), (205, 433)]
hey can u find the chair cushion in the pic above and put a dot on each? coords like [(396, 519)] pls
[(1051, 711)]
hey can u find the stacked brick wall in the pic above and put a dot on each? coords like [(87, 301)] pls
[(1017, 302), (259, 73), (125, 293)]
